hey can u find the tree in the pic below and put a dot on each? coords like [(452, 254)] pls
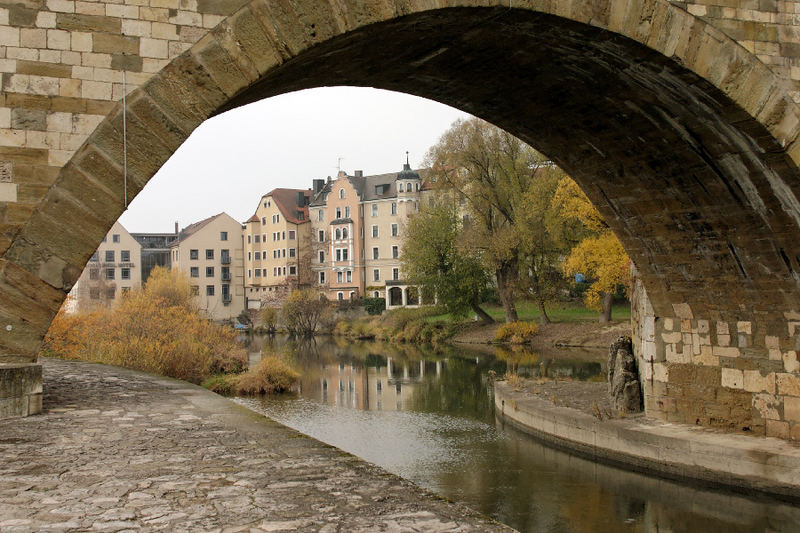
[(432, 258), (490, 170), (302, 312), (599, 256)]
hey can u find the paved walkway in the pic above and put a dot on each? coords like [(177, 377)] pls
[(121, 450)]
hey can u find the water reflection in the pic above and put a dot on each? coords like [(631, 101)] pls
[(428, 416)]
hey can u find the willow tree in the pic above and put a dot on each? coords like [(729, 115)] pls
[(434, 258), (489, 171)]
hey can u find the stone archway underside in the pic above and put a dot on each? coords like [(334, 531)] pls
[(679, 143)]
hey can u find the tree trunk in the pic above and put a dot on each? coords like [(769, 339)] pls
[(543, 318), (484, 316), (606, 299), (505, 275)]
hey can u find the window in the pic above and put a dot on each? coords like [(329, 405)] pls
[(226, 292), (344, 233), (375, 252), (115, 237), (258, 272), (258, 256), (395, 274), (209, 290), (249, 239), (321, 235), (193, 254), (344, 254), (292, 252), (347, 211), (338, 234), (249, 256), (374, 231), (339, 277), (264, 273), (376, 294), (399, 187), (283, 235), (284, 271), (257, 238), (209, 272), (110, 294), (292, 235), (94, 273), (223, 235), (395, 252), (125, 256), (341, 193), (264, 221), (338, 254), (226, 274), (340, 296), (322, 277), (283, 252), (249, 273), (376, 275), (320, 215), (194, 272), (321, 256), (94, 294), (292, 270), (394, 208), (125, 273), (374, 210), (209, 254), (394, 230), (338, 213), (109, 256), (349, 276), (109, 273), (95, 257), (352, 295)]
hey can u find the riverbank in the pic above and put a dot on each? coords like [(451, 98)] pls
[(117, 449), (579, 334), (737, 462)]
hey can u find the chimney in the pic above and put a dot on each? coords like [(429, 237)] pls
[(318, 186), (359, 173), (176, 227)]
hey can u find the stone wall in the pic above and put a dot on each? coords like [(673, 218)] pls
[(737, 375)]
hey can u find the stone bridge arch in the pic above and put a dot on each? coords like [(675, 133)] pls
[(683, 138)]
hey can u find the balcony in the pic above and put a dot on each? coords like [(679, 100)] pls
[(225, 259), (226, 276), (226, 298)]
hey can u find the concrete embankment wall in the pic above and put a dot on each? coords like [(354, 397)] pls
[(740, 462)]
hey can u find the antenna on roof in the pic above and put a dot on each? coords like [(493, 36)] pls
[(339, 164), (407, 163)]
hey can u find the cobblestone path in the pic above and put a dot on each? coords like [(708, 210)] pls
[(119, 450)]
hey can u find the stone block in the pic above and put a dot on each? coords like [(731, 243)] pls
[(115, 44), (725, 351), (755, 382), (788, 384), (88, 23), (732, 378), (777, 428), (790, 362), (20, 389), (28, 119), (767, 405), (791, 409)]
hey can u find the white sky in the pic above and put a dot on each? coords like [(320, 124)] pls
[(286, 141)]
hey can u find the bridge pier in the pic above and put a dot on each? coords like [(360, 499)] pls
[(736, 371), (20, 389)]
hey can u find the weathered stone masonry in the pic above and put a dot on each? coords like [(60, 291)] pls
[(678, 120)]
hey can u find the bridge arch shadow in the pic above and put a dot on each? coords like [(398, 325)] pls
[(685, 141)]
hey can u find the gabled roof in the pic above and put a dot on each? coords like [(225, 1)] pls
[(253, 218), (191, 229), (286, 200)]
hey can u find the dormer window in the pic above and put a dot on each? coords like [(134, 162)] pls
[(341, 193)]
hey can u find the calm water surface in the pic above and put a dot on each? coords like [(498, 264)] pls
[(429, 417)]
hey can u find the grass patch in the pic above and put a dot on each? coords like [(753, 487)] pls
[(558, 312)]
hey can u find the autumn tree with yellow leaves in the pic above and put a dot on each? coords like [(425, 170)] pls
[(599, 256)]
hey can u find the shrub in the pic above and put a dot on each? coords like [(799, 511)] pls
[(270, 376), (516, 332), (155, 329), (374, 306), (269, 319)]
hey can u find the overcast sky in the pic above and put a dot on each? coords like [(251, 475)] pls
[(286, 141)]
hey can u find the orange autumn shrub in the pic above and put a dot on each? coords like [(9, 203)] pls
[(155, 329)]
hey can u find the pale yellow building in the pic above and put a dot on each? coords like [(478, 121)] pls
[(210, 253), (113, 270), (277, 253)]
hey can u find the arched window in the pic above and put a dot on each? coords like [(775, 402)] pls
[(400, 187), (341, 193), (344, 233), (338, 234)]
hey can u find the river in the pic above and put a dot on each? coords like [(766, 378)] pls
[(428, 416)]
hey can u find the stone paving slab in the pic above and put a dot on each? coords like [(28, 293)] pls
[(118, 450)]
